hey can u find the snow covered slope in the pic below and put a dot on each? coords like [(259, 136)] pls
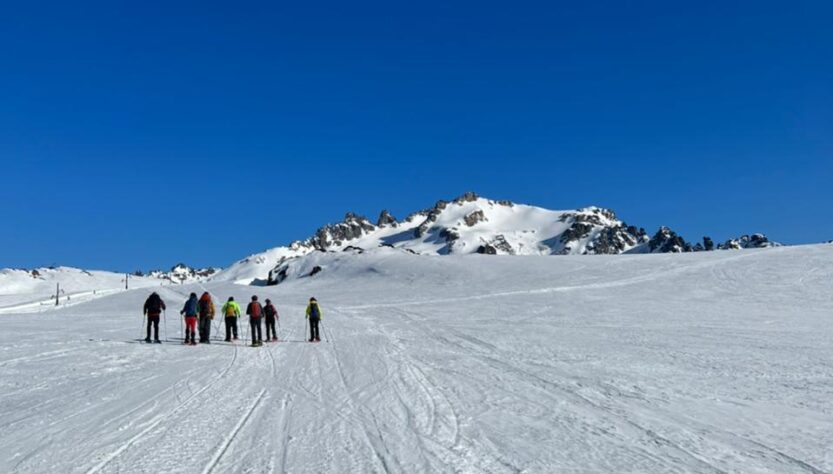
[(700, 362), (34, 290)]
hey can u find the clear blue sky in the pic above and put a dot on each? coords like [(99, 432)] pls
[(138, 134)]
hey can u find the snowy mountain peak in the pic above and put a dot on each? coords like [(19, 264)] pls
[(472, 224), (181, 273)]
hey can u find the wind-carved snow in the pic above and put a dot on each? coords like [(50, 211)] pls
[(700, 362)]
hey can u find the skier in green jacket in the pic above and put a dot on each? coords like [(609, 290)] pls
[(314, 315), (231, 310)]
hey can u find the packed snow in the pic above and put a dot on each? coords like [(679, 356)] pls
[(702, 362)]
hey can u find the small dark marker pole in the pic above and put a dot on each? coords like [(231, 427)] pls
[(57, 294), (126, 276)]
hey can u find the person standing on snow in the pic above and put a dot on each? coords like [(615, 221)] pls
[(271, 314), (255, 311), (153, 308), (191, 311), (206, 307), (231, 310), (314, 316)]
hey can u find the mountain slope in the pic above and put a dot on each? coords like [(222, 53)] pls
[(471, 224)]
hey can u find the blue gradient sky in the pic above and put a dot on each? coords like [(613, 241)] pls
[(138, 135)]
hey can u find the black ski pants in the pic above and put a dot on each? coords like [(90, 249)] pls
[(153, 321), (205, 328), (270, 329), (313, 329), (257, 330), (231, 327)]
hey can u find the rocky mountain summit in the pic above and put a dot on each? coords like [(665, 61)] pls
[(181, 273), (473, 224)]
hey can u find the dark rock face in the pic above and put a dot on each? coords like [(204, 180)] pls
[(467, 197), (474, 218), (386, 219), (500, 243), (315, 271), (352, 227), (486, 249), (667, 241), (754, 241), (279, 273), (450, 235), (353, 248), (708, 244), (614, 240), (613, 237), (430, 218)]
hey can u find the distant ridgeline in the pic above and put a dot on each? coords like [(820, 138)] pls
[(472, 224)]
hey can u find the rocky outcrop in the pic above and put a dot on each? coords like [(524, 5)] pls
[(386, 219), (607, 234), (352, 227), (182, 273), (487, 249), (474, 218), (754, 241), (667, 241)]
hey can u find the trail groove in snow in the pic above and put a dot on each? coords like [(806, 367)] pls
[(683, 364)]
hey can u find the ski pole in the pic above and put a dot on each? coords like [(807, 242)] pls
[(324, 330), (142, 326), (247, 331), (165, 318), (278, 320)]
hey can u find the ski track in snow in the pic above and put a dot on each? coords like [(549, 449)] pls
[(713, 364)]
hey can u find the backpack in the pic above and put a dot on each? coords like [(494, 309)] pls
[(191, 307), (230, 312), (270, 311), (314, 312), (154, 304), (255, 309), (205, 307)]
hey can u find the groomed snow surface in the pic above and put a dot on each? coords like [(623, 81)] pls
[(707, 362)]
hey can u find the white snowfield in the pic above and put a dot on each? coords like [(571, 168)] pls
[(28, 291), (706, 362)]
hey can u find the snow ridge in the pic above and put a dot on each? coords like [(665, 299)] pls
[(472, 224)]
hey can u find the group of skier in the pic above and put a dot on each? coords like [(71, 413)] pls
[(198, 314)]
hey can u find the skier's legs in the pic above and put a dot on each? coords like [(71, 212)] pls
[(314, 329), (191, 325), (155, 329), (228, 328), (269, 323)]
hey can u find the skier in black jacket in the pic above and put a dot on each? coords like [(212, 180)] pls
[(153, 308)]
